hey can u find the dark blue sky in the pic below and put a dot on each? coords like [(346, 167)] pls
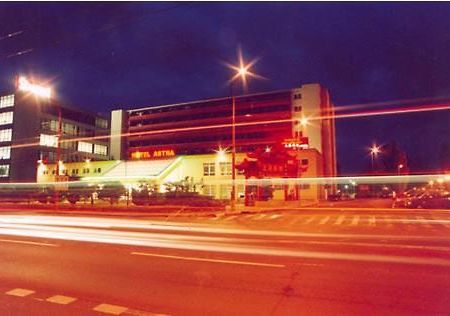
[(102, 56)]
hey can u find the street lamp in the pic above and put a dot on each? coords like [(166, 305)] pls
[(399, 167), (241, 72), (374, 151)]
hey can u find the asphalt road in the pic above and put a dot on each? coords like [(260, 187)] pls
[(315, 262)]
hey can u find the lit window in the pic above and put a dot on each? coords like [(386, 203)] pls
[(48, 140), (4, 170), (6, 101), (225, 168), (85, 147), (209, 169), (209, 190), (6, 118), (101, 122), (100, 149), (5, 135), (5, 152)]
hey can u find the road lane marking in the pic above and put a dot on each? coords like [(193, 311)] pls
[(274, 216), (388, 220), (295, 221), (61, 299), (309, 220), (230, 218), (20, 292), (249, 263), (339, 220), (110, 309), (355, 220), (135, 312), (34, 243), (372, 221), (324, 220), (423, 221)]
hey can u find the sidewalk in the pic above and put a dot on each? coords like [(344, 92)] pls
[(114, 210)]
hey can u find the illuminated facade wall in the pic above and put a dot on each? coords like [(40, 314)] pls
[(209, 172), (262, 120), (29, 134)]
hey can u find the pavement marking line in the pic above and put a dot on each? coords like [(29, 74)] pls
[(274, 216), (229, 218), (387, 219), (339, 220), (248, 263), (135, 312), (61, 299), (324, 220), (355, 220), (372, 221), (34, 243), (423, 221), (309, 220), (20, 292), (110, 309)]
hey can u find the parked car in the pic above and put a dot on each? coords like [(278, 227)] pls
[(406, 198), (433, 199)]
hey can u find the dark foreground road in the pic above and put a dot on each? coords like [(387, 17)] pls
[(285, 263)]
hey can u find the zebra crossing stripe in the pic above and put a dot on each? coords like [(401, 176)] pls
[(339, 220), (355, 220), (324, 220), (309, 220)]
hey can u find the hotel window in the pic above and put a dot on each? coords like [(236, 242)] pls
[(48, 140), (209, 190), (101, 123), (225, 168), (4, 170), (85, 147), (100, 149), (5, 135), (6, 101), (6, 118), (5, 152), (68, 129), (209, 169), (225, 191)]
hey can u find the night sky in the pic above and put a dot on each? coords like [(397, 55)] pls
[(104, 56)]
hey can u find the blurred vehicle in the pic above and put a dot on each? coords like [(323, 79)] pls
[(336, 196), (432, 199), (406, 198)]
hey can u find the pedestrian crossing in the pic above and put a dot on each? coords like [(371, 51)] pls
[(409, 222)]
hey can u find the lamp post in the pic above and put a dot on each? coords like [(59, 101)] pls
[(399, 167), (241, 72), (374, 151)]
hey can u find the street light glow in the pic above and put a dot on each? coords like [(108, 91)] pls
[(221, 154), (374, 150), (242, 70), (304, 121), (25, 85)]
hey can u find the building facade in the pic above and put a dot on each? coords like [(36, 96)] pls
[(303, 115), (31, 123), (162, 145)]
